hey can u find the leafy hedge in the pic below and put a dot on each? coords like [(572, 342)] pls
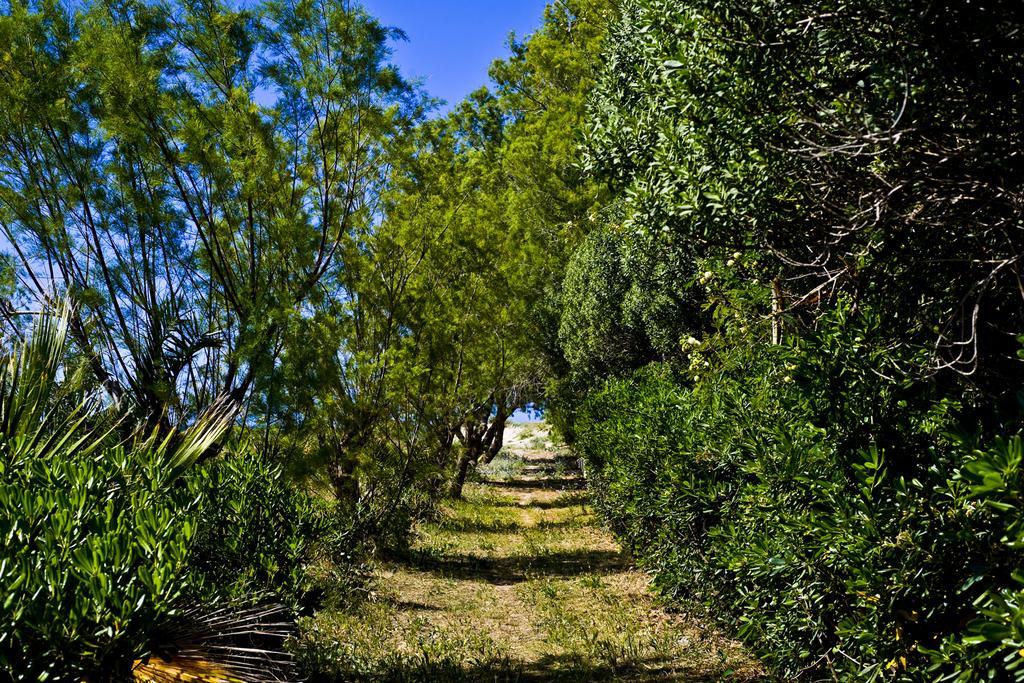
[(827, 456), (825, 559)]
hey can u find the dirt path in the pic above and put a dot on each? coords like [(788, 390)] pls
[(519, 582)]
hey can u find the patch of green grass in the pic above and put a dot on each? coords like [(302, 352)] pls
[(587, 617), (515, 582), (537, 443), (367, 646), (479, 511), (505, 466)]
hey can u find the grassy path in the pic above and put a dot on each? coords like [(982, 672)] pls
[(519, 582)]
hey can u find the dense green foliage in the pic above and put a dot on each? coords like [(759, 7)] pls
[(760, 261), (811, 423), (254, 533)]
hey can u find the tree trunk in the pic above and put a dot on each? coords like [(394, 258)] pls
[(497, 439), (446, 441), (472, 446), (455, 490)]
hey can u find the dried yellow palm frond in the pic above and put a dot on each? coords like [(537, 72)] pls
[(157, 670), (229, 644)]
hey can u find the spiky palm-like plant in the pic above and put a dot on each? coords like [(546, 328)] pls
[(96, 531)]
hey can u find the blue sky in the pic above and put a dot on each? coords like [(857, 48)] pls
[(452, 42)]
